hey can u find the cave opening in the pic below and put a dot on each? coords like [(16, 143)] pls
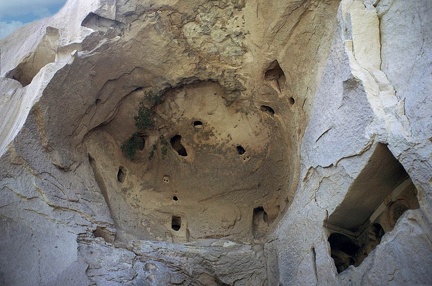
[(176, 223), (177, 146), (274, 71), (378, 197), (240, 150), (344, 250), (291, 100), (198, 124), (275, 76), (260, 222)]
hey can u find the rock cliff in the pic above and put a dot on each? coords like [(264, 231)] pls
[(222, 142)]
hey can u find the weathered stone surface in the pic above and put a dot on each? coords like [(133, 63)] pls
[(281, 143), (158, 263)]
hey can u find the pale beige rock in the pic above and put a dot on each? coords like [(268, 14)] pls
[(286, 143)]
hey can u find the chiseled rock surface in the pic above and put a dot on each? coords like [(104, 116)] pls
[(267, 124)]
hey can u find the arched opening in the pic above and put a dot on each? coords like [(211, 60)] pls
[(267, 109), (176, 223), (198, 124)]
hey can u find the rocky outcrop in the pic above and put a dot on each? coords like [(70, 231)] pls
[(218, 143)]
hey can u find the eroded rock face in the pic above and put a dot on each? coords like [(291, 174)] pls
[(218, 143), (200, 169)]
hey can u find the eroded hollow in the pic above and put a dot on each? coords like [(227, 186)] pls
[(275, 76), (260, 222), (102, 24), (121, 174), (274, 71), (103, 233), (177, 146), (379, 196), (44, 54), (291, 100), (216, 188), (267, 109)]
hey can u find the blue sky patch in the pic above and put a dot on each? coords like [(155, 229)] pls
[(16, 13)]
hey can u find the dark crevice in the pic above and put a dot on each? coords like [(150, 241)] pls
[(314, 261), (101, 184), (142, 141), (343, 251)]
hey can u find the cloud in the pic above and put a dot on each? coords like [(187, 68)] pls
[(8, 27), (16, 8), (16, 13)]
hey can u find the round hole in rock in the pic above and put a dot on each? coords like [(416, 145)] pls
[(176, 223), (291, 100), (198, 124), (176, 145), (267, 109), (121, 174), (175, 198), (240, 150)]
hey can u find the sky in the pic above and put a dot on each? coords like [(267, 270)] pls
[(16, 13)]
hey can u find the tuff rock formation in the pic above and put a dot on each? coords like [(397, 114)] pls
[(222, 142)]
